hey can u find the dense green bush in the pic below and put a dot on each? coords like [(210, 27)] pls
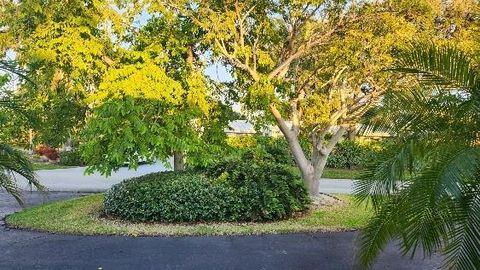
[(350, 154), (71, 158), (276, 148), (268, 190), (228, 191)]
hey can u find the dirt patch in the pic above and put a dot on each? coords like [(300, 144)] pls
[(324, 199)]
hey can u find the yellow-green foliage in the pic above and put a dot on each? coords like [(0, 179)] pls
[(140, 80), (197, 92), (317, 109), (69, 39), (241, 142)]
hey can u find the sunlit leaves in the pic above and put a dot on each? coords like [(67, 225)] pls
[(139, 80), (317, 109), (197, 92)]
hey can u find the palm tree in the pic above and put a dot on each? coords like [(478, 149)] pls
[(425, 189), (13, 162)]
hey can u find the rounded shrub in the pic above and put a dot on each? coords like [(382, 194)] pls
[(71, 158), (350, 154), (225, 192), (267, 190), (168, 196)]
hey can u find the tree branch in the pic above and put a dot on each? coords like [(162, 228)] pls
[(280, 121), (283, 67), (235, 61)]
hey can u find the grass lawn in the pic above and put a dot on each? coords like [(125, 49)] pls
[(335, 173), (49, 166), (82, 216), (341, 173)]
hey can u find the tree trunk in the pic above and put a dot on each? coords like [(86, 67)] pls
[(30, 141), (313, 174), (312, 182), (311, 170), (178, 161)]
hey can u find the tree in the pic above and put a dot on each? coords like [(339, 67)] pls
[(425, 190), (64, 47), (88, 61), (13, 161), (135, 116), (178, 38), (155, 102), (309, 66)]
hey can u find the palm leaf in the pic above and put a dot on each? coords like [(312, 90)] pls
[(14, 161), (444, 66), (426, 190), (463, 248), (7, 182)]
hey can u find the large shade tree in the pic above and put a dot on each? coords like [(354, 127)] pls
[(311, 67), (64, 47), (92, 66), (155, 101)]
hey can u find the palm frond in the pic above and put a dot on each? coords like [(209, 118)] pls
[(443, 66), (379, 230), (426, 189), (418, 111), (463, 248), (7, 182), (389, 173), (14, 161), (423, 213)]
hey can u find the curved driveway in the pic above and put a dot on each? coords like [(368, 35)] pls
[(324, 251), (34, 250)]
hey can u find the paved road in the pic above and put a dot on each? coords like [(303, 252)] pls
[(74, 179), (31, 250)]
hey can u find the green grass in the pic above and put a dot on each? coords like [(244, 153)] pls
[(82, 216), (335, 173), (49, 166), (341, 173)]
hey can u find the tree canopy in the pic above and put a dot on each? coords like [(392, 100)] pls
[(310, 67), (313, 67)]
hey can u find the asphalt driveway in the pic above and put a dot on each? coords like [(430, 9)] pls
[(33, 250)]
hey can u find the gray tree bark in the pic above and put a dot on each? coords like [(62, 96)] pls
[(178, 161), (311, 170)]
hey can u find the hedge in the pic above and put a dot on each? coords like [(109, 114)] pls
[(227, 191)]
